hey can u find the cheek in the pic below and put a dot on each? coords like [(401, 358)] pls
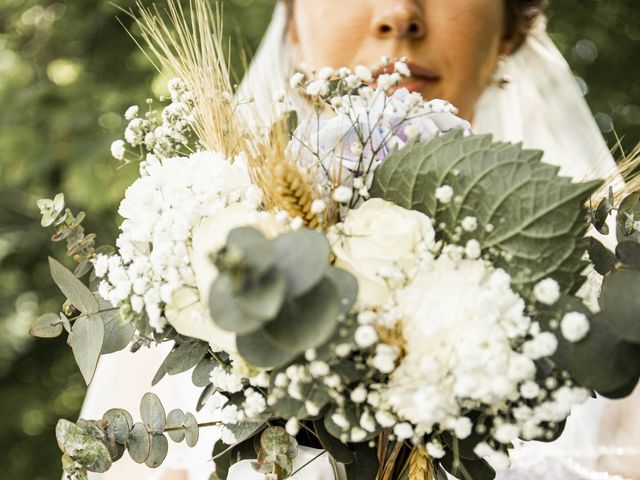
[(467, 36), (330, 34)]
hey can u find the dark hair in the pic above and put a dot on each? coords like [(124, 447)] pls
[(522, 16)]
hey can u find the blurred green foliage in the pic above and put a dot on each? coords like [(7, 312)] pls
[(67, 72)]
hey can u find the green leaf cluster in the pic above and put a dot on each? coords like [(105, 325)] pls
[(281, 296), (276, 453), (96, 328), (531, 220), (92, 446)]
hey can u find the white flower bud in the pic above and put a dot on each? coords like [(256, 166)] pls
[(574, 326), (292, 427), (547, 291), (365, 336), (342, 194), (444, 194)]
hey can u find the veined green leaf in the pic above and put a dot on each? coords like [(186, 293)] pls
[(79, 295), (534, 218)]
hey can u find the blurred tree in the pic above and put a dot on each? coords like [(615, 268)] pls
[(67, 72)]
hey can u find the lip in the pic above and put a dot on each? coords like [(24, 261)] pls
[(421, 77)]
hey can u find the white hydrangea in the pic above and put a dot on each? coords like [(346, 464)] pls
[(460, 319)]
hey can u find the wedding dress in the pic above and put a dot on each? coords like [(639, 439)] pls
[(541, 107)]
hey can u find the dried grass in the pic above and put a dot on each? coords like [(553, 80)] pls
[(190, 46)]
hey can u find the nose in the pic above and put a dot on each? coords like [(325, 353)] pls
[(399, 19)]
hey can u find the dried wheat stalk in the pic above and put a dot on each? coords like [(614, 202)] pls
[(293, 194), (420, 465)]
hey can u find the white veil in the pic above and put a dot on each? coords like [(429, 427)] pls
[(542, 107)]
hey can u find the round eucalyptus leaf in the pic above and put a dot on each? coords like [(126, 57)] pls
[(119, 424), (139, 443), (621, 303), (347, 287), (83, 445), (158, 451), (225, 311), (192, 430), (258, 252), (263, 299), (628, 252), (200, 374), (152, 412), (274, 440), (304, 258), (46, 326), (258, 350), (176, 419), (308, 321), (603, 361)]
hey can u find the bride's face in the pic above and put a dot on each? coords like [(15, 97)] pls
[(452, 45)]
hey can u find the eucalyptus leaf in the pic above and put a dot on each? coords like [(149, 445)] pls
[(192, 430), (536, 215), (258, 350), (200, 375), (119, 423), (263, 298), (46, 326), (86, 339), (308, 321), (365, 464), (76, 291), (347, 287), (152, 413), (116, 335), (157, 451), (603, 361), (78, 444), (621, 303), (226, 312), (258, 252), (139, 443), (304, 257), (338, 450), (628, 252), (185, 356), (176, 419), (602, 258)]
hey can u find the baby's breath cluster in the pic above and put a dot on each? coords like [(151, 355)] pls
[(153, 136), (360, 118)]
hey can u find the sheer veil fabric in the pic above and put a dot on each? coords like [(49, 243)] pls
[(541, 107)]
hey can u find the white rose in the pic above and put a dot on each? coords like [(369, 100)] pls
[(188, 310), (379, 236)]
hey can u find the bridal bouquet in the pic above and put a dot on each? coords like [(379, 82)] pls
[(367, 278)]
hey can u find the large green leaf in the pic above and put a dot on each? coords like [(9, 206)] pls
[(85, 339), (536, 218), (76, 291)]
